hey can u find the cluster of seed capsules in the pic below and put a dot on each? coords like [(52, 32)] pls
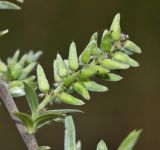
[(75, 74), (18, 70)]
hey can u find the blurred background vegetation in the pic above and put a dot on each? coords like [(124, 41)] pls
[(50, 26)]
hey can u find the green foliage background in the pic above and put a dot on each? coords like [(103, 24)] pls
[(131, 103)]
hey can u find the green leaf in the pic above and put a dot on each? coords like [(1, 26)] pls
[(113, 65), (79, 145), (3, 67), (32, 99), (113, 77), (81, 90), (115, 28), (69, 99), (3, 32), (21, 1), (64, 111), (46, 117), (70, 135), (129, 142), (102, 146), (130, 46), (123, 58), (44, 148), (73, 58), (95, 87), (42, 80), (26, 121), (8, 5), (85, 56), (106, 42), (62, 70)]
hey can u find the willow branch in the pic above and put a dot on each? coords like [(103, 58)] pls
[(11, 107)]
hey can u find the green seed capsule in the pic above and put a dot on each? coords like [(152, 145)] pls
[(23, 60), (123, 58), (129, 45), (106, 42), (16, 70), (3, 67), (115, 28), (86, 54), (69, 99), (42, 80), (113, 77), (112, 64), (81, 90), (12, 61), (70, 79), (95, 87), (101, 70), (36, 56), (62, 70), (94, 36), (27, 70), (73, 58), (87, 72), (57, 78)]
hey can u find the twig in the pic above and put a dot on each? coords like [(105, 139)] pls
[(11, 107)]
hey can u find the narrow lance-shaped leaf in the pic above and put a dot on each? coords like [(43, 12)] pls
[(62, 70), (44, 148), (79, 145), (3, 32), (123, 58), (115, 28), (129, 142), (3, 67), (102, 146), (27, 121), (21, 1), (80, 89), (70, 135), (42, 80), (106, 42), (8, 5), (64, 111), (12, 61), (95, 87), (69, 99), (46, 117), (73, 58), (32, 99)]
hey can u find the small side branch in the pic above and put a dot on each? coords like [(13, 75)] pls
[(11, 107)]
